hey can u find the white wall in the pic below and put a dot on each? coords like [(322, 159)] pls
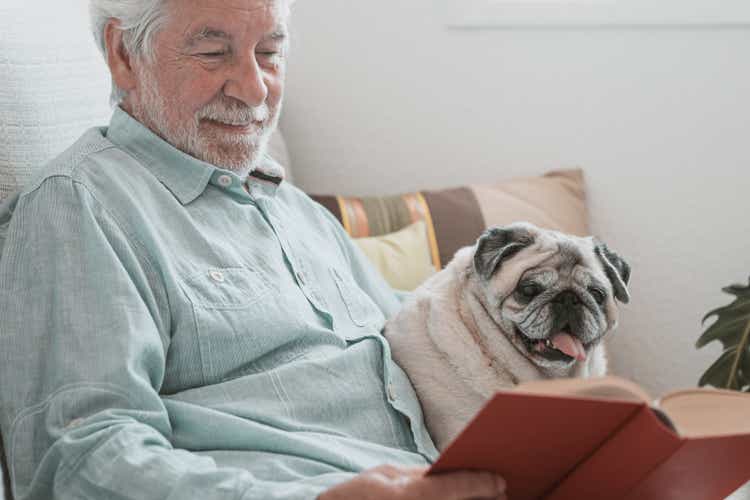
[(381, 99)]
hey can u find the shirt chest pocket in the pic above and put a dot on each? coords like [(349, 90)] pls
[(226, 288), (238, 317), (362, 311)]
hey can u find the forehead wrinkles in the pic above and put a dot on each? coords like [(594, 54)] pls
[(242, 16), (243, 8), (571, 262), (570, 254), (565, 259)]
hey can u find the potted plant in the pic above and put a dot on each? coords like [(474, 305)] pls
[(732, 329)]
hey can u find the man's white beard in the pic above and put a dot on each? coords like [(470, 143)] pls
[(239, 153)]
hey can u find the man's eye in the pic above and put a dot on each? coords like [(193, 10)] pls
[(268, 54), (213, 54)]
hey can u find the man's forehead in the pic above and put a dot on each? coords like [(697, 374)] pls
[(215, 17), (197, 20), (232, 7)]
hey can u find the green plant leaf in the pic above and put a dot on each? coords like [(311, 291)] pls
[(745, 373), (728, 332), (731, 318), (717, 374), (732, 329)]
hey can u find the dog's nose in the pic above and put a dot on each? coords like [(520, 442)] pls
[(567, 298)]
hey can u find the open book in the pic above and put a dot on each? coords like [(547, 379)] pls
[(604, 438)]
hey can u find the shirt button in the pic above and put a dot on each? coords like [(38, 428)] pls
[(217, 276), (225, 180), (74, 423), (391, 392)]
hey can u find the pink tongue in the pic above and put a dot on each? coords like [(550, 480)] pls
[(569, 345)]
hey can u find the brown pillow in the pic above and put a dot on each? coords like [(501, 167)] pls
[(456, 217)]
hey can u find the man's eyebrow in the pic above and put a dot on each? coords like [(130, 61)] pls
[(278, 35), (208, 33)]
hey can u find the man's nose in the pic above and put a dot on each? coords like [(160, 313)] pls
[(246, 83)]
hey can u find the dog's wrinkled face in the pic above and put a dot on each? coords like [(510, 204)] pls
[(551, 294)]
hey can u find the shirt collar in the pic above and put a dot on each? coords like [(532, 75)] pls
[(185, 176)]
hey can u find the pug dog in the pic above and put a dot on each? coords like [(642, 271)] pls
[(522, 304)]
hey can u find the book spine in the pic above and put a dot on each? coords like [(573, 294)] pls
[(621, 462)]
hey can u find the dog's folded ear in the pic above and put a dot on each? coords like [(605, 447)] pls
[(498, 244), (617, 270)]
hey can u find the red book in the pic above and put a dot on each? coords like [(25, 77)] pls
[(603, 438)]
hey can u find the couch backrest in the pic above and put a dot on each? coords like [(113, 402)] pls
[(53, 84), (4, 477)]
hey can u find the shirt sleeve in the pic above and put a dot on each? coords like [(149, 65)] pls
[(84, 334), (368, 278)]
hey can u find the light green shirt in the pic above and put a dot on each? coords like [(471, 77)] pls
[(168, 333)]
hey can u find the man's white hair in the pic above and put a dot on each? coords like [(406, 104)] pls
[(140, 20)]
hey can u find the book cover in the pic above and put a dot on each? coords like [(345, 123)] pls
[(573, 446)]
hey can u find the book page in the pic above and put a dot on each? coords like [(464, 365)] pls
[(598, 387), (708, 412)]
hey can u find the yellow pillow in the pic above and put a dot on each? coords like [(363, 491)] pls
[(403, 257)]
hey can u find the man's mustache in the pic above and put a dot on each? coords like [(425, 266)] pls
[(234, 113)]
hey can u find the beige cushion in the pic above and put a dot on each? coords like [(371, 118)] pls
[(279, 152), (402, 257), (555, 201)]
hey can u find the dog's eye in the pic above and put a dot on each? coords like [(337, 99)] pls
[(530, 290), (598, 295)]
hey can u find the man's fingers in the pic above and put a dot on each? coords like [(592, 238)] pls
[(393, 472), (415, 471), (463, 485)]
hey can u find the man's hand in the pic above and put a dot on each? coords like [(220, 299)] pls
[(388, 482)]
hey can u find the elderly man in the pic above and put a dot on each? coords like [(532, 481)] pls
[(177, 321)]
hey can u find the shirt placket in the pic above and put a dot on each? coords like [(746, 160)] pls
[(402, 398), (262, 196), (399, 393)]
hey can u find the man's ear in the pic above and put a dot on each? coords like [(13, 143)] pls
[(498, 244), (616, 269), (118, 58)]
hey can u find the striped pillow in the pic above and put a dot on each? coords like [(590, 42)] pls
[(456, 217)]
